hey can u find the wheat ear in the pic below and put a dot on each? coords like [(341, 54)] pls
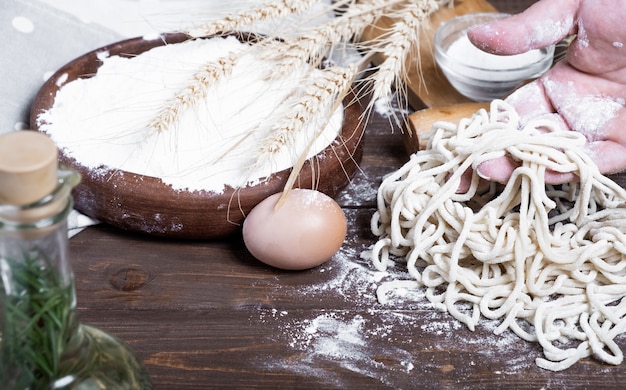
[(195, 90), (314, 43), (333, 90), (318, 95), (400, 44), (238, 21)]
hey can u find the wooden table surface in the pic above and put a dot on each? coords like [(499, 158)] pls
[(208, 315)]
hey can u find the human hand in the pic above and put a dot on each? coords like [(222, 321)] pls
[(584, 92)]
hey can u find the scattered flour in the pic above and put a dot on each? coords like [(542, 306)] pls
[(582, 38), (375, 340), (389, 108), (550, 31), (585, 113)]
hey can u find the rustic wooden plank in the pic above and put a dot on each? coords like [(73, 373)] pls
[(266, 348), (138, 273), (210, 314)]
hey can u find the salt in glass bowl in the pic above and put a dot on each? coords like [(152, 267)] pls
[(478, 75)]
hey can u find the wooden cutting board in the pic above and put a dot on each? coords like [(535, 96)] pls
[(434, 91), (421, 122)]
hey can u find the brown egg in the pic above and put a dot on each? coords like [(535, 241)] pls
[(304, 232)]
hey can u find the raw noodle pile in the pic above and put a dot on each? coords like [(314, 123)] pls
[(548, 261)]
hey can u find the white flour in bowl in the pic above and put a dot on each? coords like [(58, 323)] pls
[(103, 120)]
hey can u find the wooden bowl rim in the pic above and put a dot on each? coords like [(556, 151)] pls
[(85, 66)]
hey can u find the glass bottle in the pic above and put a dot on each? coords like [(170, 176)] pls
[(43, 345)]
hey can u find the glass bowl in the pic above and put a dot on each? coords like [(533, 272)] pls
[(478, 75)]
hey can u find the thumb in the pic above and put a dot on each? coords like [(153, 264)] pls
[(542, 24)]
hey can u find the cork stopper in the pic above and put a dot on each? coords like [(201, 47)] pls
[(28, 167)]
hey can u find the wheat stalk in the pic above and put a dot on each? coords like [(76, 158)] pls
[(411, 15), (342, 79), (195, 91), (313, 44), (267, 11), (400, 45), (317, 98), (309, 47)]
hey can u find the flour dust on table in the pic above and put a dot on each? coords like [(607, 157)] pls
[(358, 341)]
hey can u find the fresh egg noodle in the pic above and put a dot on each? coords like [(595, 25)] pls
[(547, 261)]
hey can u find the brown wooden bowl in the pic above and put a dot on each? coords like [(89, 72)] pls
[(145, 204)]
